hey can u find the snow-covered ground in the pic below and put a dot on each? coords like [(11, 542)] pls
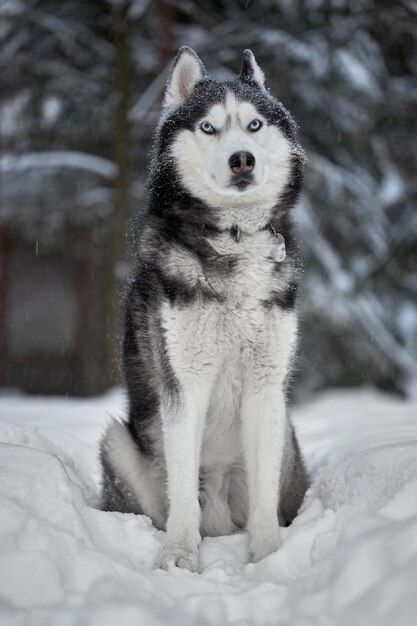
[(349, 559)]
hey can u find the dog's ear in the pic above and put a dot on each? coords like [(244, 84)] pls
[(250, 71), (186, 71)]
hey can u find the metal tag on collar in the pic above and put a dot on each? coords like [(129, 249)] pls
[(279, 249), (235, 232)]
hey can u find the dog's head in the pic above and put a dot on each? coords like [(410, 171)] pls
[(231, 142)]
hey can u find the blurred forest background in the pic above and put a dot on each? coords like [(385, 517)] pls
[(80, 94)]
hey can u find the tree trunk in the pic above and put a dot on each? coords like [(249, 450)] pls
[(166, 19), (116, 233)]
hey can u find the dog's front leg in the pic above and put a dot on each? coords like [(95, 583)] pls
[(263, 423), (183, 422), (263, 427)]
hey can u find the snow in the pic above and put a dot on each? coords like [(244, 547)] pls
[(349, 558)]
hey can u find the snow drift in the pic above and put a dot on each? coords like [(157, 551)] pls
[(349, 558)]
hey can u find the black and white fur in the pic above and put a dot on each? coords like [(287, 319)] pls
[(210, 322)]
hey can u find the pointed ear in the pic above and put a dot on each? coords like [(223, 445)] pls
[(250, 71), (186, 71)]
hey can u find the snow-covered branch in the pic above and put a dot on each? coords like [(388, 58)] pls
[(59, 160)]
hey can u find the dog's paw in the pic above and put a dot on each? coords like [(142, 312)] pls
[(178, 556), (263, 544)]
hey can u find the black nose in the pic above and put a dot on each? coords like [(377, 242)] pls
[(242, 162)]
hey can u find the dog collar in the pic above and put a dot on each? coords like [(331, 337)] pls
[(235, 232), (279, 249)]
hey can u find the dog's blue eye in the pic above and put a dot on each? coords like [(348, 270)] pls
[(206, 127), (254, 125)]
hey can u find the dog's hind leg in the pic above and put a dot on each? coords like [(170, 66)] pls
[(294, 479), (131, 483)]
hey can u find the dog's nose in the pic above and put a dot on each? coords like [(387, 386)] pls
[(242, 162)]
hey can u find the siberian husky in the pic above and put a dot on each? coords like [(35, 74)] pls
[(210, 324)]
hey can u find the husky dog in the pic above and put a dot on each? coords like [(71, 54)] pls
[(210, 322)]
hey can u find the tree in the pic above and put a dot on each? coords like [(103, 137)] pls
[(83, 80)]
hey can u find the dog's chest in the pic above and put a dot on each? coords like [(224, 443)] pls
[(233, 307), (251, 277), (221, 439)]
